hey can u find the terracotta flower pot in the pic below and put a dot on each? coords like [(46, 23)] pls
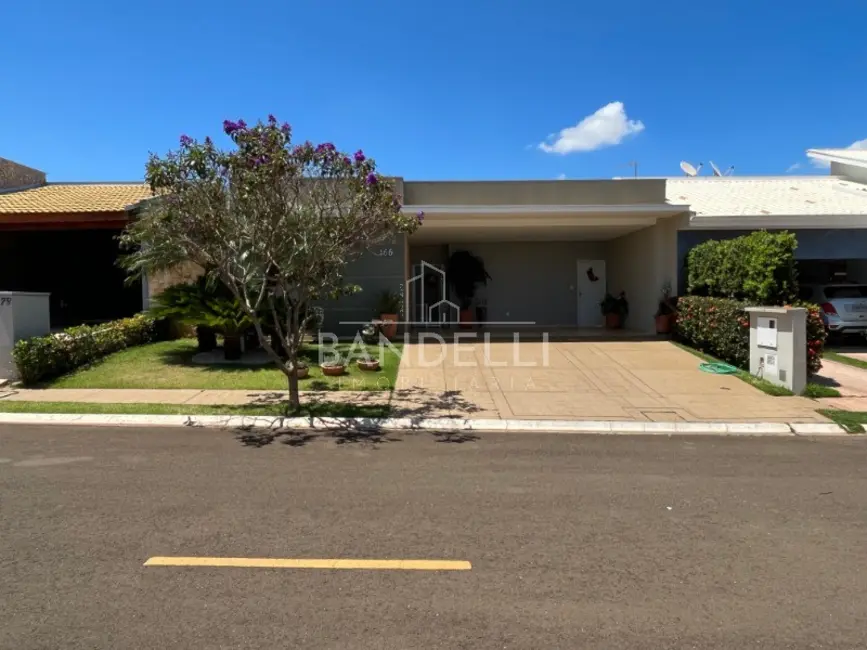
[(302, 372), (370, 366), (333, 371), (389, 325), (663, 324), (466, 318), (612, 321)]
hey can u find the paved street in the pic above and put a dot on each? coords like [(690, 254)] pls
[(575, 541)]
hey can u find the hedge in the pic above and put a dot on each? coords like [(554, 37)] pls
[(720, 327), (758, 268), (45, 357)]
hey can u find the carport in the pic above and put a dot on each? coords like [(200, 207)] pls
[(552, 249)]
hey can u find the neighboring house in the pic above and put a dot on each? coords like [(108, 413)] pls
[(553, 248), (61, 238)]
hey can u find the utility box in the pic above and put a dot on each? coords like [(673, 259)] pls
[(22, 315), (778, 346)]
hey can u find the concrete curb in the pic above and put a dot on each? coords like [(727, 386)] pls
[(434, 424)]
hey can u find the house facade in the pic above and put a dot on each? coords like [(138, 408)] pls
[(552, 249)]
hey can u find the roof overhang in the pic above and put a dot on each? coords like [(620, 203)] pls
[(777, 222), (854, 157), (473, 223)]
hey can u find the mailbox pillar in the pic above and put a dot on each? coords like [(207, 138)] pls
[(22, 315), (778, 346)]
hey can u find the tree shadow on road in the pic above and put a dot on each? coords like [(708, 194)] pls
[(361, 419)]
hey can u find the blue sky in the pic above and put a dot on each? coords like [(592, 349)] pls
[(453, 89)]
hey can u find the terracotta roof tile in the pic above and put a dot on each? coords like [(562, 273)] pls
[(72, 197)]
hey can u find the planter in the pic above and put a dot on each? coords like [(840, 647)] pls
[(613, 322), (368, 365), (302, 372), (389, 325), (333, 371), (663, 323), (232, 348), (251, 340), (206, 338), (466, 318)]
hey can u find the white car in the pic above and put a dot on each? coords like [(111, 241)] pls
[(844, 306)]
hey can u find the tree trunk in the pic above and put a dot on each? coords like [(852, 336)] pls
[(294, 397)]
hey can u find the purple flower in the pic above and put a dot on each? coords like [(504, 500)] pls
[(320, 148), (359, 156), (261, 160), (371, 179), (242, 124), (286, 128), (229, 127), (420, 216), (346, 160), (186, 141), (208, 141), (272, 119)]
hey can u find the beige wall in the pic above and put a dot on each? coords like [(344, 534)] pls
[(533, 281), (640, 264), (158, 282), (605, 192)]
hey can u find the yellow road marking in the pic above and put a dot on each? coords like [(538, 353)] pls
[(287, 563)]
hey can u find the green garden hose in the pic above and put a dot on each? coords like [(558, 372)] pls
[(717, 368)]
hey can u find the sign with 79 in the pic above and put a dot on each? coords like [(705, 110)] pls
[(5, 301)]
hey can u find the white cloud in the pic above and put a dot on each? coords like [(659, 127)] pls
[(824, 164), (793, 167), (561, 177), (604, 128)]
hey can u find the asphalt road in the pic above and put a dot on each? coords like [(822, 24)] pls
[(575, 541)]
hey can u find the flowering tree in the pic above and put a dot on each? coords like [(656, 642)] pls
[(277, 223)]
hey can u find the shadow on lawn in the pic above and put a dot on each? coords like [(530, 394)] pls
[(359, 420)]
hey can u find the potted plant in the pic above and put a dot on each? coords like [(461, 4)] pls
[(301, 369), (334, 367), (389, 307), (615, 309), (225, 316), (465, 272), (367, 362), (665, 311)]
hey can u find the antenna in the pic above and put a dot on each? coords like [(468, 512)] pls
[(634, 165), (688, 169), (716, 171), (729, 171)]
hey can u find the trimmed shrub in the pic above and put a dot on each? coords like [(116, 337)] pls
[(45, 357), (721, 328), (758, 268), (717, 326)]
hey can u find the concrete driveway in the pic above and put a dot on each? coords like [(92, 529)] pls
[(599, 380)]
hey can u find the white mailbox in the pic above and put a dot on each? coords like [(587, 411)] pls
[(22, 315), (778, 345)]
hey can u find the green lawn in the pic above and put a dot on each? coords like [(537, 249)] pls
[(318, 409), (168, 364), (812, 390), (842, 358), (851, 421)]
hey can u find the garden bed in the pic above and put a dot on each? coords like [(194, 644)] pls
[(169, 364)]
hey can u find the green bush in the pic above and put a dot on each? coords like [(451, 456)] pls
[(758, 268), (717, 326), (45, 357), (721, 328)]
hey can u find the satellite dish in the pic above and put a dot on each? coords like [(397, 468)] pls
[(688, 169), (716, 171)]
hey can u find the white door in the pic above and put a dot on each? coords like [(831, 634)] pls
[(592, 287)]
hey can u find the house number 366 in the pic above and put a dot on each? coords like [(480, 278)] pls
[(385, 252)]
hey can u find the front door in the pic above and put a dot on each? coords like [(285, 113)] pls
[(592, 287)]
